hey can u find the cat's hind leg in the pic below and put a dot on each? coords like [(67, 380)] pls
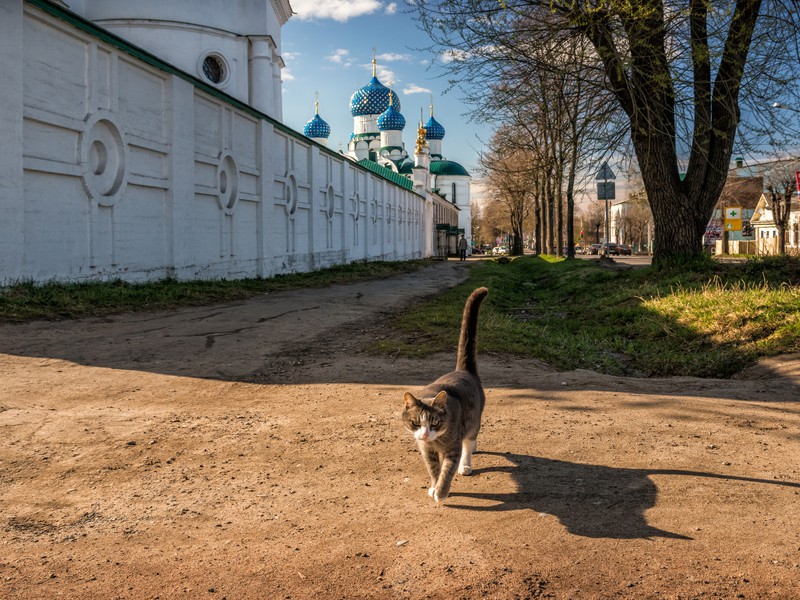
[(468, 446)]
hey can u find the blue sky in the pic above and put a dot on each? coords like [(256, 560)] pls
[(328, 47)]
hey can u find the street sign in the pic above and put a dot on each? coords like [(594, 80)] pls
[(733, 218), (733, 212), (605, 190), (605, 173)]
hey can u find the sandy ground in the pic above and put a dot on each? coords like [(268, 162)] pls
[(253, 450)]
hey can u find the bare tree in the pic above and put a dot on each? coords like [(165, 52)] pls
[(509, 179), (594, 216), (635, 220), (557, 126), (676, 70)]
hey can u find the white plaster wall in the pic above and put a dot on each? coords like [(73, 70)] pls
[(185, 46), (122, 169), (11, 108), (463, 199), (183, 32), (246, 17)]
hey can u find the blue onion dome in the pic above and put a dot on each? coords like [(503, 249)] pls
[(372, 99), (391, 119), (317, 128), (433, 130)]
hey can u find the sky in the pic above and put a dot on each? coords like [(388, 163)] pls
[(328, 49)]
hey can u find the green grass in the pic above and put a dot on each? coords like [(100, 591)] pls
[(710, 321), (27, 301)]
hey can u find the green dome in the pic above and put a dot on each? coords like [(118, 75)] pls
[(447, 167), (407, 168)]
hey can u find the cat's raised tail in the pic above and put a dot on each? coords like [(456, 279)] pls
[(468, 342)]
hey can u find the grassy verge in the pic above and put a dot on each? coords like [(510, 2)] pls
[(26, 301), (710, 322)]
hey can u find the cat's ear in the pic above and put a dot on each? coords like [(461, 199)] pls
[(440, 401), (409, 400)]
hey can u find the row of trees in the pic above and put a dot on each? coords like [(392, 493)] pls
[(573, 80), (513, 215)]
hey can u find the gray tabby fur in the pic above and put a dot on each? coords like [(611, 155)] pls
[(445, 416)]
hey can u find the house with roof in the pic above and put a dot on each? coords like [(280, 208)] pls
[(746, 190), (765, 227)]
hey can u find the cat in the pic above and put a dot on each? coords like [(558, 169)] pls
[(446, 418)]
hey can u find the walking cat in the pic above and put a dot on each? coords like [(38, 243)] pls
[(446, 418)]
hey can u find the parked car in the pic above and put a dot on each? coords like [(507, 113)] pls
[(609, 248), (499, 250), (624, 250), (593, 249)]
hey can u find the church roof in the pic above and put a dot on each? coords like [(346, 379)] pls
[(387, 173), (433, 129), (317, 128), (372, 99), (448, 167), (391, 119), (407, 168)]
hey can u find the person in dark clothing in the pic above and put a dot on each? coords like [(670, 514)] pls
[(462, 248)]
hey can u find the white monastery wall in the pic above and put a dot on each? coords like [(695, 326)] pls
[(112, 167)]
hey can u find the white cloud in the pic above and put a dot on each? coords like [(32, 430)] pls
[(339, 56), (413, 88), (391, 8), (286, 75), (393, 56), (338, 10), (454, 55), (289, 55), (386, 76)]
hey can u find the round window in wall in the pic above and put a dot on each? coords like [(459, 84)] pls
[(214, 69)]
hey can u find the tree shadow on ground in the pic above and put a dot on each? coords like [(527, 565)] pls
[(593, 501)]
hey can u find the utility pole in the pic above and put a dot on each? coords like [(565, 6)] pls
[(605, 191)]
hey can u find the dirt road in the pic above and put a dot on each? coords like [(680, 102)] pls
[(253, 450)]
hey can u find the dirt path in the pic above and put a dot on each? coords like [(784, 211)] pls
[(252, 450)]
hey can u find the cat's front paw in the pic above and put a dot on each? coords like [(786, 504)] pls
[(465, 470), (439, 498), (431, 491)]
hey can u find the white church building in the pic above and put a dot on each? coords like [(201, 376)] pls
[(143, 140)]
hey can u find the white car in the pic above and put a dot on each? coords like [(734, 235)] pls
[(499, 250)]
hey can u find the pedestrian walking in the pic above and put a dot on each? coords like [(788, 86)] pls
[(462, 248)]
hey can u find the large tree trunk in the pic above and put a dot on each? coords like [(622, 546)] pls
[(680, 232), (681, 207)]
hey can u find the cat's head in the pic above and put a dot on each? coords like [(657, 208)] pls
[(427, 419)]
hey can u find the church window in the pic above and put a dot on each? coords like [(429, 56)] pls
[(214, 68), (453, 197)]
